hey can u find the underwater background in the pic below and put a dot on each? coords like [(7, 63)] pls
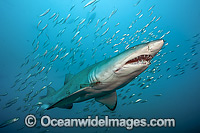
[(31, 37)]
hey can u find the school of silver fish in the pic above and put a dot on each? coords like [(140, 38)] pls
[(51, 50)]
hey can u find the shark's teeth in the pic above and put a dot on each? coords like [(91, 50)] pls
[(141, 62), (142, 59)]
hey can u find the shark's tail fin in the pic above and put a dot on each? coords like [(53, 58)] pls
[(45, 101)]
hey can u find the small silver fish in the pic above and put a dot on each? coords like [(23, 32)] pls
[(138, 12), (8, 122), (55, 57), (56, 17), (64, 56), (105, 32), (83, 20), (11, 102), (143, 101), (93, 8), (113, 12), (5, 94), (76, 34), (38, 24), (45, 53), (67, 18), (137, 3), (138, 100), (104, 24), (117, 24), (42, 69), (158, 95), (52, 16), (89, 3), (72, 7), (43, 14), (79, 39), (44, 27), (151, 8)]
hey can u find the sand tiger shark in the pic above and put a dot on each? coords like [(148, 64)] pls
[(101, 80)]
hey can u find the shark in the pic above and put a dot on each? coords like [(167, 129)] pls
[(101, 80)]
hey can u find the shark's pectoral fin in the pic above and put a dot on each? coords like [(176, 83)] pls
[(50, 92), (45, 100), (109, 100), (67, 78)]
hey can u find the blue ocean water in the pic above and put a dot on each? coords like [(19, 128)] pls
[(176, 73)]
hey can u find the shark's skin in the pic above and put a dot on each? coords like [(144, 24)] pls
[(101, 80)]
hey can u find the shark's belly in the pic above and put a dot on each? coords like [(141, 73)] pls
[(102, 90)]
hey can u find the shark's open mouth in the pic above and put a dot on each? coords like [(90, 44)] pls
[(142, 59)]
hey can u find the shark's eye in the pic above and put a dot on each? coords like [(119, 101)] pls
[(133, 47)]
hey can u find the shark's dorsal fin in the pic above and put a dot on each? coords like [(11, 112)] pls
[(67, 78), (109, 100), (50, 91)]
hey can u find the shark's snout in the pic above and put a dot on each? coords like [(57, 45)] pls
[(155, 46), (138, 58)]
